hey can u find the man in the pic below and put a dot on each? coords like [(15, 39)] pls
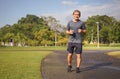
[(75, 29)]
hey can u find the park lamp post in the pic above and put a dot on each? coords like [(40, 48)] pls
[(55, 37), (55, 29), (97, 34)]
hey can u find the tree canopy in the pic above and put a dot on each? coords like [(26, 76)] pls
[(109, 29), (35, 31), (30, 30)]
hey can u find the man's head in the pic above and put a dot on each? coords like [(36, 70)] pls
[(76, 14)]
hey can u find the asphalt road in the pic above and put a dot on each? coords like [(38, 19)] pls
[(95, 65)]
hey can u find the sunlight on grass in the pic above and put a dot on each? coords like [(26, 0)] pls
[(50, 48), (115, 54), (21, 64)]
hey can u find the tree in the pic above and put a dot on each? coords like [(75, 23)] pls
[(114, 35), (107, 27), (44, 36), (20, 39)]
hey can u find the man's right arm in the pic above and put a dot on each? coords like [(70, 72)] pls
[(69, 32)]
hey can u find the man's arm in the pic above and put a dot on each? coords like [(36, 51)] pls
[(69, 31), (83, 28), (81, 31), (84, 31)]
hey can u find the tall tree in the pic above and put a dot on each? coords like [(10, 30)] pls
[(106, 24)]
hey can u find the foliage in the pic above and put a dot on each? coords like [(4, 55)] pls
[(109, 30), (46, 31), (31, 31)]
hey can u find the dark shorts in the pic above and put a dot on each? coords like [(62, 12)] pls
[(74, 47)]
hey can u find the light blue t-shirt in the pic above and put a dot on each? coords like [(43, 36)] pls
[(75, 37)]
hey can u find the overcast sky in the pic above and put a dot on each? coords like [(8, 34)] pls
[(12, 10)]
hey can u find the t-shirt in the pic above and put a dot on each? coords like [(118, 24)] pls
[(75, 37)]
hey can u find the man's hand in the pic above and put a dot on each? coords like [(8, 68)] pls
[(84, 31), (79, 30), (70, 31)]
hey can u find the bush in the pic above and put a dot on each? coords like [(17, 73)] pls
[(114, 45)]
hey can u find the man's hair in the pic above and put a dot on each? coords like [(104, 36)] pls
[(77, 11)]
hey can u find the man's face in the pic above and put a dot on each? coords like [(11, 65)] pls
[(76, 15)]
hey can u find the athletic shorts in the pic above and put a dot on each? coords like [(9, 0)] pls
[(74, 47)]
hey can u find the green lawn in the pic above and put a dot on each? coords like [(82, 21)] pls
[(21, 64), (115, 54), (101, 48), (56, 48), (34, 48)]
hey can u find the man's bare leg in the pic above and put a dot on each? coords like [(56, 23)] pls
[(79, 59), (69, 58)]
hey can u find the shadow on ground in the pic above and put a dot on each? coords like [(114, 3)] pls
[(95, 66)]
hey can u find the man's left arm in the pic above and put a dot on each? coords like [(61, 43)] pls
[(83, 28)]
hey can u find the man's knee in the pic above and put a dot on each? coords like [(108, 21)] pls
[(69, 55), (78, 56)]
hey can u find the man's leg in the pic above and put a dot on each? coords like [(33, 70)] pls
[(79, 59), (70, 49), (79, 56), (69, 58)]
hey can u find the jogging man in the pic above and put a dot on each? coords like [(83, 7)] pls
[(75, 29)]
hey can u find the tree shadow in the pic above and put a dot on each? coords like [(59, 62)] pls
[(95, 66)]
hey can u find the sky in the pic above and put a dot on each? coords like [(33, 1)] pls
[(13, 10)]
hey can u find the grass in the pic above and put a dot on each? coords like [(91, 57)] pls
[(21, 64), (34, 48), (115, 54), (55, 48), (101, 48)]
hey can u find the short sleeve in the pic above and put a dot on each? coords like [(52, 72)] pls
[(68, 26), (83, 27)]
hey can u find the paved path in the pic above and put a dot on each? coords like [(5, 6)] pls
[(95, 65)]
